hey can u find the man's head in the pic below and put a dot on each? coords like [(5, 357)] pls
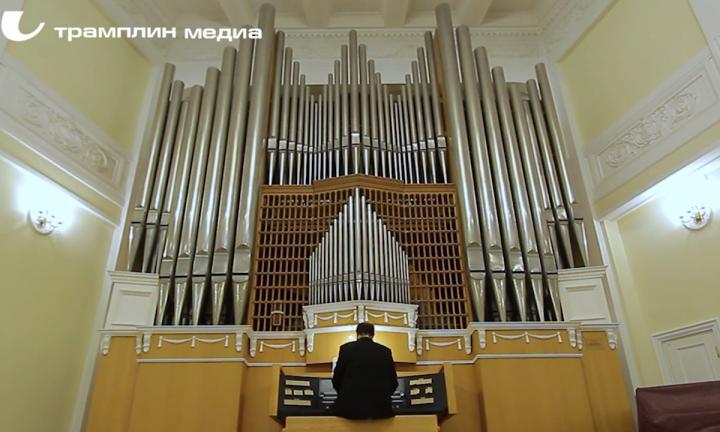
[(365, 329)]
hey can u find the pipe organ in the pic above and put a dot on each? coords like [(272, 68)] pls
[(262, 193)]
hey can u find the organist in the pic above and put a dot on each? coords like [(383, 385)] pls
[(364, 377)]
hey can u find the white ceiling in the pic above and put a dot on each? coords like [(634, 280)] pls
[(358, 14), (517, 33)]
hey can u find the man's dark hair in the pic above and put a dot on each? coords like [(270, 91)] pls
[(365, 329)]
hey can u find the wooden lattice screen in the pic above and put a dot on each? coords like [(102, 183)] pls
[(423, 218)]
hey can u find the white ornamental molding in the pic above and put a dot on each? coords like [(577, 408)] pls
[(194, 340), (334, 317), (142, 342), (310, 341), (573, 337), (105, 344), (49, 125), (239, 336), (293, 340), (566, 21), (386, 316), (678, 110), (527, 336), (461, 339), (612, 338)]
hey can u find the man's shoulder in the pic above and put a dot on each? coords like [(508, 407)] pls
[(348, 345)]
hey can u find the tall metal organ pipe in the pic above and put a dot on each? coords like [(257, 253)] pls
[(459, 149)]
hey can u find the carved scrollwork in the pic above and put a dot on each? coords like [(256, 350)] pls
[(650, 129), (64, 134)]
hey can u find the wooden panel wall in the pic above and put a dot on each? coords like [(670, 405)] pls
[(583, 393)]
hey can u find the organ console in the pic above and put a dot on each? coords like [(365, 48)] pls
[(417, 394)]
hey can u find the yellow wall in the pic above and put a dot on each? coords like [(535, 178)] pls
[(105, 79), (50, 288), (630, 51), (666, 273), (669, 275), (51, 285)]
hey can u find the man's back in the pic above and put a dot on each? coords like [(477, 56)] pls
[(365, 380)]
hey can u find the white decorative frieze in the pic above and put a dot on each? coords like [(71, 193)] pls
[(651, 128), (49, 125), (678, 110)]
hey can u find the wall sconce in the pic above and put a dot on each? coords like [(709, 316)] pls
[(44, 221), (696, 217)]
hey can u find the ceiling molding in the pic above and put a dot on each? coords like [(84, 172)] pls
[(563, 24)]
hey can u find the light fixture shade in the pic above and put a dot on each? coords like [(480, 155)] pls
[(44, 221), (696, 217)]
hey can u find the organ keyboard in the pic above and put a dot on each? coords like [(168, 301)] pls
[(425, 393)]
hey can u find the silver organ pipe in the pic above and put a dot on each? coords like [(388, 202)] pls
[(209, 214), (292, 137), (490, 228), (419, 114), (413, 164), (526, 231), (345, 112), (156, 217), (256, 121), (577, 229), (364, 110), (284, 116), (191, 224), (254, 159), (427, 115), (373, 108), (537, 203), (180, 177), (235, 150), (437, 113), (136, 232)]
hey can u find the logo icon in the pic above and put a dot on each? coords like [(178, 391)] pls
[(10, 26)]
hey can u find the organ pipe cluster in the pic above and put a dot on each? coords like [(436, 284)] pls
[(507, 158), (358, 259), (356, 124), (255, 121), (195, 201)]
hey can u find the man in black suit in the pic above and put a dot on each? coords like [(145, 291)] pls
[(364, 377)]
